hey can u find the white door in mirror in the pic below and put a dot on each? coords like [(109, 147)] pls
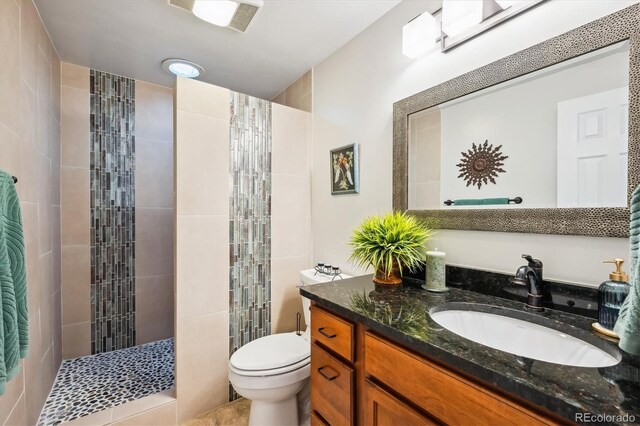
[(593, 150)]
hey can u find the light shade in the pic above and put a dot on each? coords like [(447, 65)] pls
[(460, 15), (182, 68), (216, 12), (419, 35), (508, 3)]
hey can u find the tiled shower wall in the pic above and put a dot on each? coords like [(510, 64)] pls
[(153, 193), (112, 200), (204, 165), (249, 221), (30, 150)]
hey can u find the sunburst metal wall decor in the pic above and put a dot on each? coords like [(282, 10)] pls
[(481, 164)]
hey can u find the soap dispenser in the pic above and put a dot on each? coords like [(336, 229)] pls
[(611, 294)]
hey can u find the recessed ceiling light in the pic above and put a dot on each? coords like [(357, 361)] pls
[(216, 12), (182, 68)]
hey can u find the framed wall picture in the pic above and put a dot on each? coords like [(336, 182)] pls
[(345, 173)]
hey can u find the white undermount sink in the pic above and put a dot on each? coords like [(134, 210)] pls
[(524, 338)]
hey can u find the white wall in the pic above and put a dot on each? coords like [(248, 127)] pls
[(354, 91)]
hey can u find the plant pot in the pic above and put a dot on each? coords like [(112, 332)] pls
[(391, 279)]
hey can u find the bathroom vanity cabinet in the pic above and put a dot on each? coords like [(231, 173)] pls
[(359, 377)]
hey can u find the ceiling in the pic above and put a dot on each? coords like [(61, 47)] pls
[(132, 38)]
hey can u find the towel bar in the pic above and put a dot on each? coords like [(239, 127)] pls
[(15, 179), (516, 200)]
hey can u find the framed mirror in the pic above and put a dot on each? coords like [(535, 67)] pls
[(542, 141)]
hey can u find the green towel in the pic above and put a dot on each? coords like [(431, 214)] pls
[(14, 321), (480, 201), (628, 324)]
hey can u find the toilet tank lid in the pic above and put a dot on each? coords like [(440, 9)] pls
[(310, 277), (271, 352)]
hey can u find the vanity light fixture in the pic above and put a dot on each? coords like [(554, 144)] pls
[(460, 15), (457, 22), (183, 68), (419, 35)]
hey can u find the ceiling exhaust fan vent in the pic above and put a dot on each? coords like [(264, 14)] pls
[(242, 17)]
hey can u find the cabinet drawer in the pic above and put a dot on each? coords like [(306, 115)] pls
[(316, 420), (331, 387), (333, 332), (448, 397), (382, 409)]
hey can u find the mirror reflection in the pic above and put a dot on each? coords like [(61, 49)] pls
[(553, 138)]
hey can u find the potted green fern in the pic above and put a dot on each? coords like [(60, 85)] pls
[(390, 244)]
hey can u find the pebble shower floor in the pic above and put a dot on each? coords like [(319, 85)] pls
[(94, 383)]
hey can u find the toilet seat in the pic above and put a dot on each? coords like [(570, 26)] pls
[(271, 355)]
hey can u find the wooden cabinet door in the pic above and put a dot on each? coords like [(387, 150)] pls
[(383, 409)]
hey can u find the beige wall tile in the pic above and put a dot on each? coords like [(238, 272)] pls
[(76, 340), (57, 330), (160, 416), (43, 105), (54, 147), (30, 22), (9, 151), (12, 393), (307, 82), (154, 173), (76, 284), (46, 303), (154, 242), (202, 364), (18, 417), (75, 214), (44, 203), (289, 213), (154, 112), (28, 113), (55, 87), (31, 236), (281, 98), (101, 418), (28, 179), (202, 162), (202, 98), (154, 308), (74, 76), (138, 406), (33, 369), (285, 297), (74, 127), (10, 54), (202, 285), (290, 142)]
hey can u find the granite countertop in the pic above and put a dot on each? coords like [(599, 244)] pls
[(402, 316)]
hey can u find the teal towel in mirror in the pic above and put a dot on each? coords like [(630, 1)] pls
[(628, 324), (480, 201), (14, 321)]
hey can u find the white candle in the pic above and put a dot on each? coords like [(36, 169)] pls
[(436, 271)]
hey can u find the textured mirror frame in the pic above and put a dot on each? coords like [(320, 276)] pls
[(596, 222)]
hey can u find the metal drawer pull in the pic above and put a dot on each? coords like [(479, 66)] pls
[(328, 377), (330, 336)]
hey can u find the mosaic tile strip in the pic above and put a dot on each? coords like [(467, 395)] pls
[(249, 222), (96, 382), (112, 180)]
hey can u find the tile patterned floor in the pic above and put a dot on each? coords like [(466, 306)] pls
[(93, 383)]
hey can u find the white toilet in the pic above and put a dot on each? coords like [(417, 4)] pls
[(273, 371)]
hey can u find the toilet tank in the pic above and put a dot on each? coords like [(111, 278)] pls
[(311, 277)]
